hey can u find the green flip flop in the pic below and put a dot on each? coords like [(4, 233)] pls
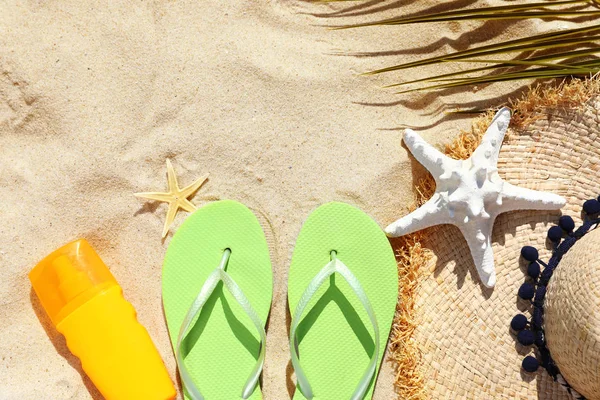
[(217, 289), (342, 293)]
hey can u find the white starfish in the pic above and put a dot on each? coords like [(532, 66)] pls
[(470, 194)]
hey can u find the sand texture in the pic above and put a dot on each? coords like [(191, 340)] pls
[(94, 97)]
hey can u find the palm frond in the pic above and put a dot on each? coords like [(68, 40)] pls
[(568, 58), (558, 54), (540, 73), (547, 40)]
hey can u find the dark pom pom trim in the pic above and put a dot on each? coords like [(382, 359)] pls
[(566, 223), (519, 322), (532, 332), (530, 364), (526, 291), (591, 207), (526, 337), (555, 234), (537, 318), (533, 270), (529, 253)]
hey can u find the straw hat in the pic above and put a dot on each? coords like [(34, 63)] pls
[(468, 348), (572, 320)]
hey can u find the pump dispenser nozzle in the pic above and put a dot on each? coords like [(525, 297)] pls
[(72, 282)]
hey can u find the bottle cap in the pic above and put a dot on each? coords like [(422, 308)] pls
[(69, 277)]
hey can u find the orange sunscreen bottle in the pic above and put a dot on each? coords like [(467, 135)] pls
[(86, 304)]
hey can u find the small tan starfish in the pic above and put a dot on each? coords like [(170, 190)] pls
[(177, 198)]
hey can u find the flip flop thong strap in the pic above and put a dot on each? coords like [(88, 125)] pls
[(335, 265), (219, 275)]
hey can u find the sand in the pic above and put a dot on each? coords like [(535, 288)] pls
[(94, 97)]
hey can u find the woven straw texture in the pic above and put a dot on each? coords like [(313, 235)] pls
[(468, 349), (572, 320)]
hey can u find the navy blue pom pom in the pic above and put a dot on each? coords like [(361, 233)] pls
[(519, 322), (566, 223), (591, 206), (533, 270), (555, 234), (529, 253), (526, 291), (530, 364), (526, 337)]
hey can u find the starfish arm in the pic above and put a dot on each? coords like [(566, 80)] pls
[(518, 198), (187, 205), (478, 234), (171, 212), (429, 214), (191, 189), (486, 153), (426, 154), (166, 197), (171, 177)]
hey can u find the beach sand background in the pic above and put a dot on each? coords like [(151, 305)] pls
[(95, 96)]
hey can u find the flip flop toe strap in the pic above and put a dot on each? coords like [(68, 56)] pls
[(219, 275), (335, 265)]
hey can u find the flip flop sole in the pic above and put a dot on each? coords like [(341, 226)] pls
[(223, 345), (335, 338)]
